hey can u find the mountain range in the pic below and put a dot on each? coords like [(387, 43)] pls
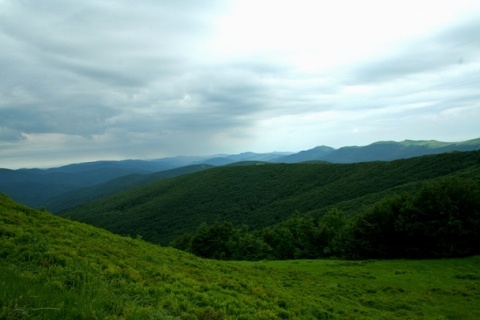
[(58, 188)]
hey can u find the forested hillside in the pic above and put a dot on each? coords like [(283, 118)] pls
[(86, 194), (441, 220), (263, 195), (35, 187)]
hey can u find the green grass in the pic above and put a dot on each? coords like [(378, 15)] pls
[(387, 289), (53, 268)]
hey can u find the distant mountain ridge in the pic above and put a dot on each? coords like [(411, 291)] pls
[(317, 153), (34, 186), (380, 151), (42, 187)]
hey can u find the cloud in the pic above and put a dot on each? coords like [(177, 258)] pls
[(115, 79), (454, 46), (9, 135)]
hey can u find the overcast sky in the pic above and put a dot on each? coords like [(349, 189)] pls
[(90, 80)]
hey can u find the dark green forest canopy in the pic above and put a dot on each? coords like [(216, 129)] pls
[(263, 195), (441, 220)]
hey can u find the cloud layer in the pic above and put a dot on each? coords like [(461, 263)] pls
[(115, 79)]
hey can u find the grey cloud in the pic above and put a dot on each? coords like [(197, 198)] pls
[(457, 45), (96, 57), (411, 62), (105, 75), (463, 36), (10, 135), (239, 97), (69, 68), (245, 90), (133, 43), (84, 120), (259, 67)]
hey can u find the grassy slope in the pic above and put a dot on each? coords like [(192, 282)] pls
[(52, 268), (259, 195)]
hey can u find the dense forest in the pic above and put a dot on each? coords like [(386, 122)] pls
[(262, 195), (442, 220)]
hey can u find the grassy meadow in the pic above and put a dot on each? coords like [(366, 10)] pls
[(386, 289), (53, 268)]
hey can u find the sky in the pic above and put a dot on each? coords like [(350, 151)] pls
[(109, 80)]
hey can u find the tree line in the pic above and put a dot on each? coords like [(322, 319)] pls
[(441, 220)]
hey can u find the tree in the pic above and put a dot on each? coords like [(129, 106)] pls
[(373, 233), (280, 239), (331, 233), (443, 220), (211, 241), (246, 245)]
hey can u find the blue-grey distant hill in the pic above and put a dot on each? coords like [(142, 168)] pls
[(86, 194), (315, 154), (34, 187), (222, 160)]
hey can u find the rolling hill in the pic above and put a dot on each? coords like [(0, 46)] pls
[(262, 195), (86, 194), (57, 188), (53, 268)]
